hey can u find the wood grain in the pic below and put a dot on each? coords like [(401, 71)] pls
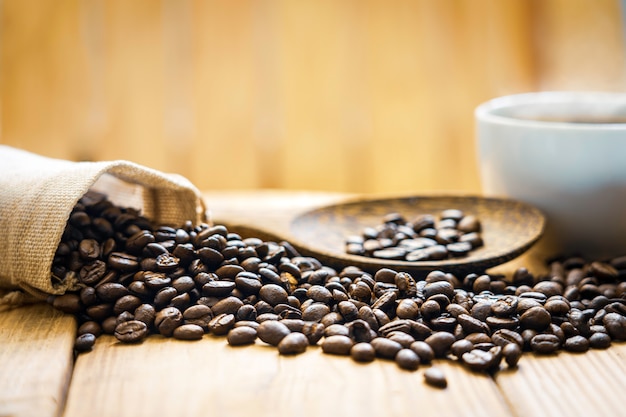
[(209, 377), (35, 360), (568, 384)]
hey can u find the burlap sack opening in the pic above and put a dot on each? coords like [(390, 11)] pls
[(37, 195)]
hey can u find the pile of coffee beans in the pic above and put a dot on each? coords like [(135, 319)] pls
[(139, 279), (452, 234)]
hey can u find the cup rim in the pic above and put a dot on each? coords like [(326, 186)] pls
[(485, 111)]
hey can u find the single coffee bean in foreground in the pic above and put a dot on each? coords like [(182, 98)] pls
[(435, 377)]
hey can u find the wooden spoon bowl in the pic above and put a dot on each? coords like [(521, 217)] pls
[(509, 228)]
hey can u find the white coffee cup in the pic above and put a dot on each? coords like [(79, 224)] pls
[(565, 153)]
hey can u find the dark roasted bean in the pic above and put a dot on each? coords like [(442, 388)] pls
[(435, 377), (132, 331), (84, 342), (188, 332), (545, 343), (293, 343), (337, 345)]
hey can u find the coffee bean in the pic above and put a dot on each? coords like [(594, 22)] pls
[(188, 332), (459, 347), (481, 360), (435, 377), (385, 348), (407, 359), (273, 294), (293, 343), (337, 345), (545, 343), (167, 320), (85, 342), (599, 341), (313, 331), (615, 325), (576, 344), (239, 336), (132, 331), (145, 313), (221, 324), (512, 353), (363, 352), (68, 303), (440, 343), (272, 332), (536, 318), (315, 312), (503, 337)]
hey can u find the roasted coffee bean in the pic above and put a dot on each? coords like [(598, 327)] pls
[(536, 318), (123, 262), (315, 312), (220, 325), (399, 240), (132, 331), (512, 353), (293, 343), (90, 327), (244, 335), (92, 273), (440, 343), (272, 332), (503, 337), (545, 343), (505, 306), (385, 348), (164, 296), (68, 303), (615, 325), (472, 325), (363, 352), (423, 350), (435, 377), (407, 359), (404, 339), (336, 329), (218, 288), (337, 345), (481, 360), (188, 332), (576, 344), (84, 342), (145, 313), (459, 347), (228, 305), (167, 320), (273, 294), (313, 331), (127, 302), (599, 341)]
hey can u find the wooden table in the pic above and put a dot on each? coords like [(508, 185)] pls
[(165, 377)]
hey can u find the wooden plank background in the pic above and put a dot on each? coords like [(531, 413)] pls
[(350, 95)]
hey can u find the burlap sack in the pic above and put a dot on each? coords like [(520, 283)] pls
[(37, 195)]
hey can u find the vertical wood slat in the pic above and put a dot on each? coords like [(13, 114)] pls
[(358, 96), (36, 360)]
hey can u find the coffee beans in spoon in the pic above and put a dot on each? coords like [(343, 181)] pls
[(452, 234)]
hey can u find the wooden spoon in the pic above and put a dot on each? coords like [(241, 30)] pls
[(509, 228)]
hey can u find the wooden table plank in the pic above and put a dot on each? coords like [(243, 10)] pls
[(36, 360), (209, 377), (568, 384)]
